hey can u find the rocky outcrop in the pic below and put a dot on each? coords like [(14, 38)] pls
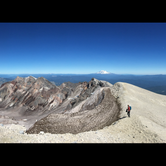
[(30, 92), (94, 114), (71, 107)]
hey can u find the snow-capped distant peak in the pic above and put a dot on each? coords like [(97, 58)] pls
[(26, 78), (34, 77), (30, 76), (103, 72)]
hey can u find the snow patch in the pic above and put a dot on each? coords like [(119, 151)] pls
[(11, 104), (46, 88), (70, 98), (103, 72), (28, 78), (40, 89), (34, 77)]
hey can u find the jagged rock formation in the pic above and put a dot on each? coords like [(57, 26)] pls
[(92, 114), (71, 107), (30, 92)]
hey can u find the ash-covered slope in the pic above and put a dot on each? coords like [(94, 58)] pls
[(71, 107), (147, 107)]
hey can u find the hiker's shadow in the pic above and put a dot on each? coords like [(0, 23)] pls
[(123, 117)]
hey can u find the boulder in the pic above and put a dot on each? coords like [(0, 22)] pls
[(41, 132), (21, 132)]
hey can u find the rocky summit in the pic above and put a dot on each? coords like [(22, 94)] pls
[(68, 108)]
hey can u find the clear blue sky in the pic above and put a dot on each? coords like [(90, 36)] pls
[(81, 48)]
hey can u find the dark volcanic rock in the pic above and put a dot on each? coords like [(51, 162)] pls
[(3, 93)]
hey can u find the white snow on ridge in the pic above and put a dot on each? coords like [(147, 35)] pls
[(28, 78), (34, 77), (103, 72)]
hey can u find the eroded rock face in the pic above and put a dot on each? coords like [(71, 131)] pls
[(30, 92), (71, 107), (87, 118)]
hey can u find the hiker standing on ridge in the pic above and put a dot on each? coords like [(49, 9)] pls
[(128, 110)]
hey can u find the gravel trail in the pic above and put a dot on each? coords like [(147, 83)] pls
[(126, 130)]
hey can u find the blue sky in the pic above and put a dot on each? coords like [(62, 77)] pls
[(82, 48)]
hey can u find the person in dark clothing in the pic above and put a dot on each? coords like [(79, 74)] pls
[(128, 111)]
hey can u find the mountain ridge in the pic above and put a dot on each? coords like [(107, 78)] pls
[(37, 98), (155, 83)]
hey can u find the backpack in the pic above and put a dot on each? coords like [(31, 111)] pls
[(130, 107)]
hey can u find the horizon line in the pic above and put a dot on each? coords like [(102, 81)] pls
[(80, 73)]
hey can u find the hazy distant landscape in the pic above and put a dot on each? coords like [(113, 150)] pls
[(154, 83)]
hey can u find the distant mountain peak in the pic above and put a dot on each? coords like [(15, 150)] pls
[(31, 77), (103, 72)]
